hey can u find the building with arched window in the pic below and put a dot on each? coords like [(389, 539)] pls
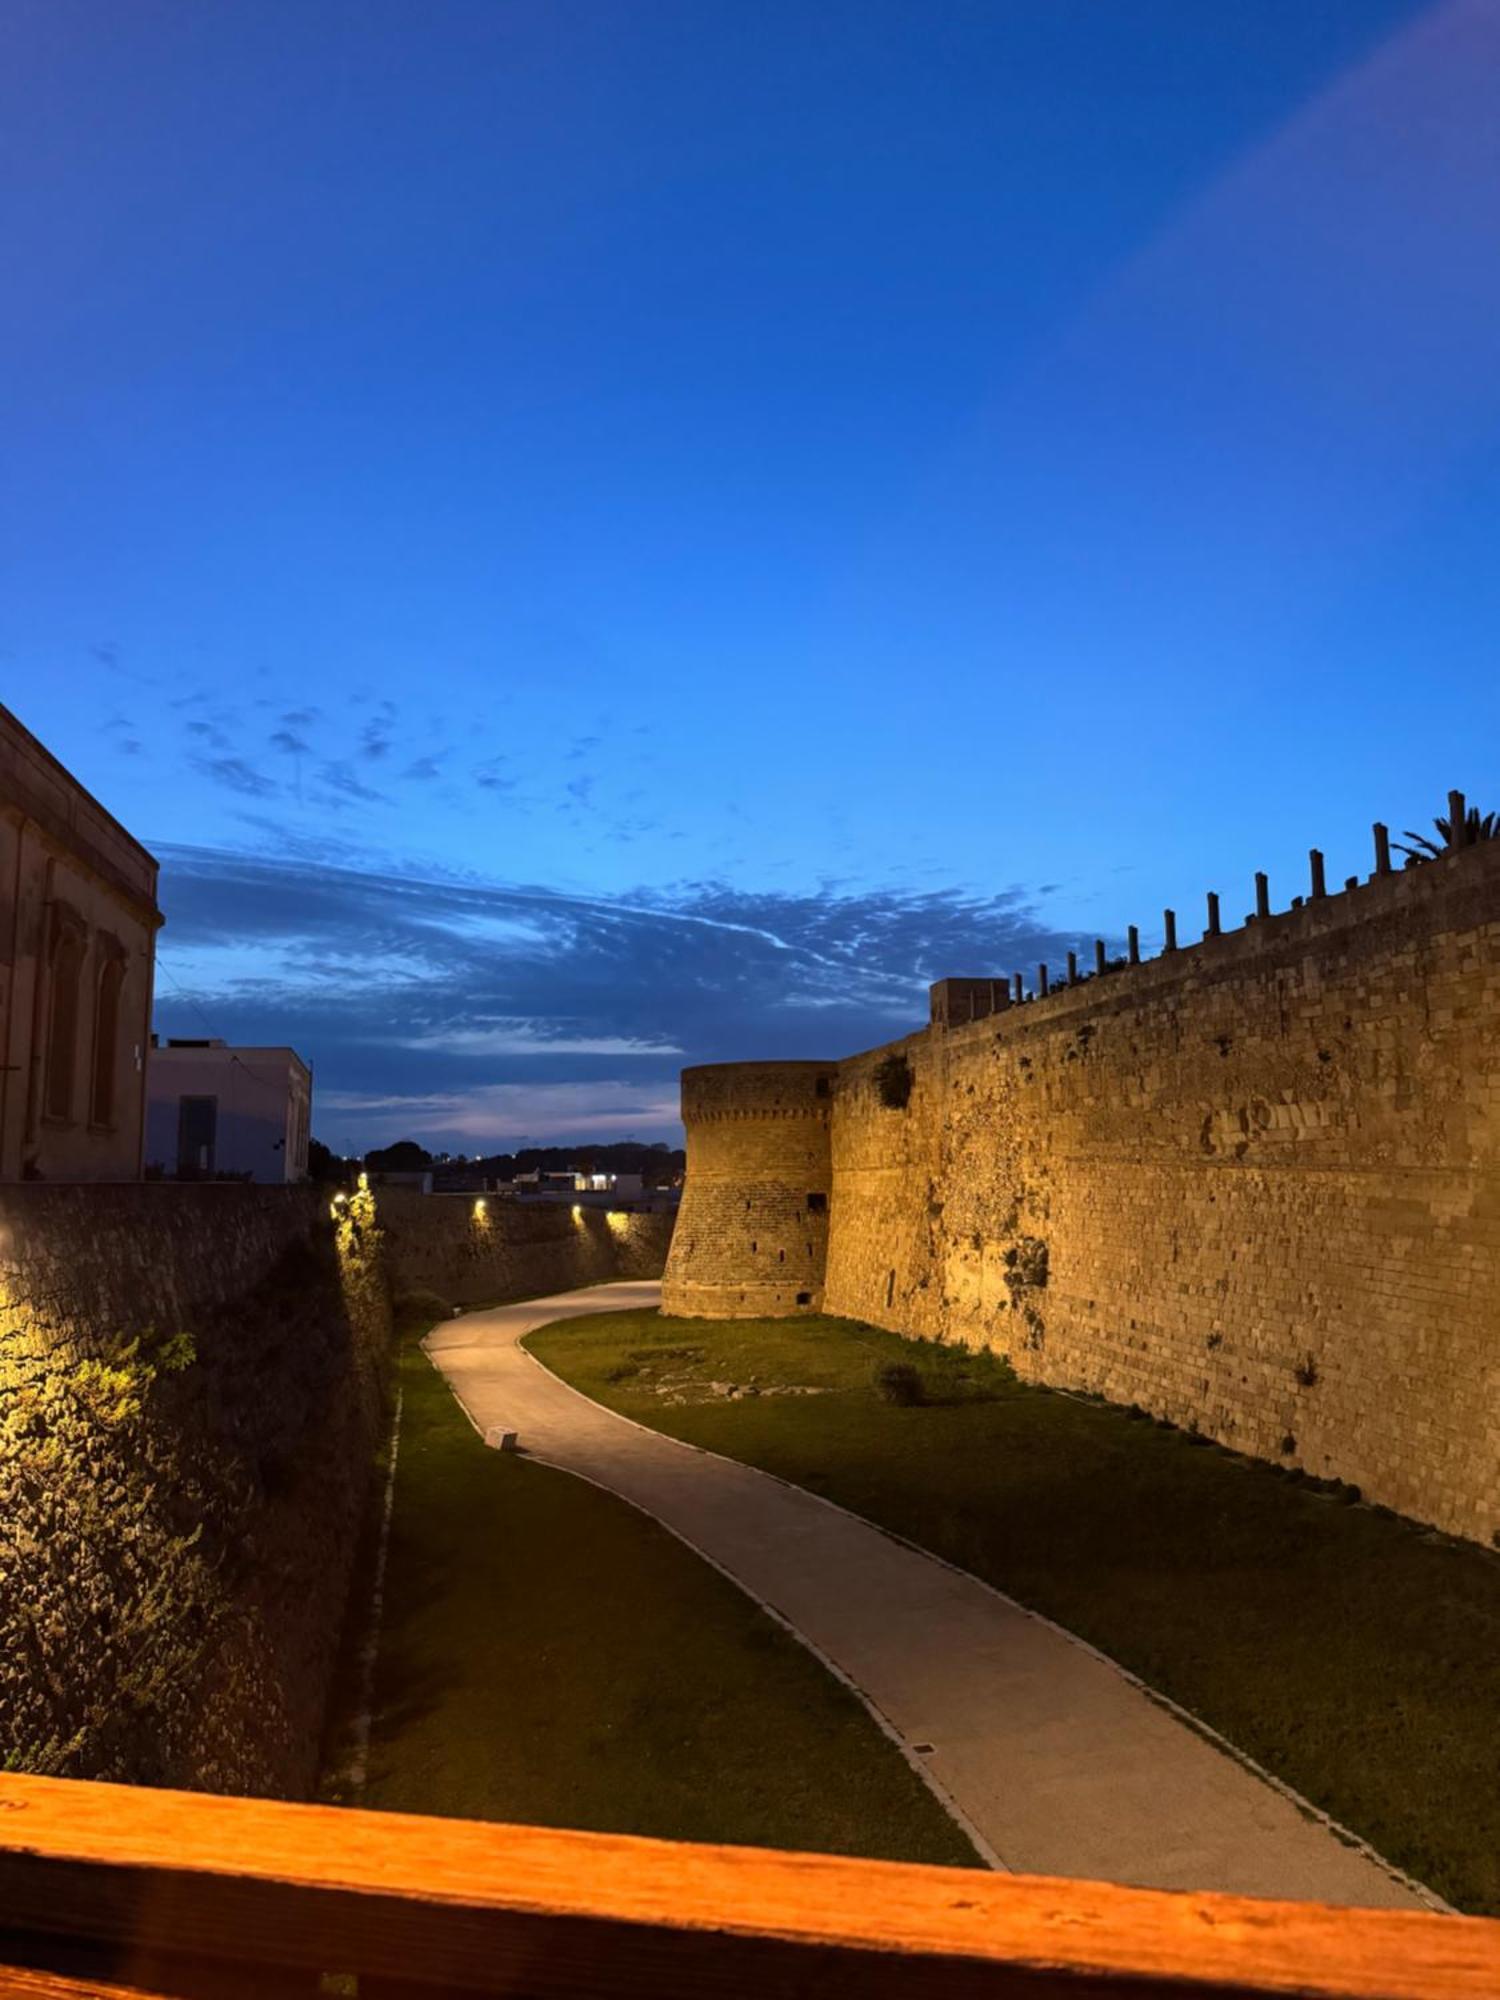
[(78, 923)]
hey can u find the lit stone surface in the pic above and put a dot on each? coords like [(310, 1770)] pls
[(752, 1232), (1253, 1187)]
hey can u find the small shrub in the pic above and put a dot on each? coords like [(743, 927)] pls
[(417, 1311), (899, 1383), (1026, 1264), (1307, 1373)]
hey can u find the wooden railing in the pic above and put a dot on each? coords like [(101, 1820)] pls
[(108, 1890)]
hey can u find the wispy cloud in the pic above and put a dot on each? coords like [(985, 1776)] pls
[(342, 782), (534, 1038), (534, 1114), (446, 1005), (209, 733), (236, 775), (377, 735)]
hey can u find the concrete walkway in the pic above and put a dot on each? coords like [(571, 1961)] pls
[(1057, 1762)]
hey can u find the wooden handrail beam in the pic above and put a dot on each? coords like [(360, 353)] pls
[(18, 1982), (454, 1906)]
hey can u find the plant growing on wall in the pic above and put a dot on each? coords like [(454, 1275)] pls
[(1473, 828), (1026, 1263), (893, 1082)]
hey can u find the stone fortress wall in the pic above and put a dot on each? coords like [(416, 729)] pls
[(191, 1396), (753, 1226), (471, 1249), (193, 1386), (1252, 1186)]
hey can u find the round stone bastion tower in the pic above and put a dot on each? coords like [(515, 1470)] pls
[(752, 1234)]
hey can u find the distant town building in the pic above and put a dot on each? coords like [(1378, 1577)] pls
[(585, 1182), (217, 1111), (78, 923)]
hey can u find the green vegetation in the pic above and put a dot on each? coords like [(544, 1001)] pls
[(1354, 1655), (893, 1081), (551, 1656), (1469, 831)]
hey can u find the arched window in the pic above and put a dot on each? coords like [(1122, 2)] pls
[(65, 977), (106, 1037)]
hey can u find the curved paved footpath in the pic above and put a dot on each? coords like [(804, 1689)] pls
[(1061, 1764)]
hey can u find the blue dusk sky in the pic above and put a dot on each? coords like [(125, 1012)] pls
[(591, 535)]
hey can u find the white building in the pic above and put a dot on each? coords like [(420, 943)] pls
[(214, 1110), (587, 1182)]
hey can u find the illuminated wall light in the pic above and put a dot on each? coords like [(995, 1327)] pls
[(578, 1211), (618, 1220)]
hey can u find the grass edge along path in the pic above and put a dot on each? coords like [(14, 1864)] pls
[(551, 1656), (1353, 1655)]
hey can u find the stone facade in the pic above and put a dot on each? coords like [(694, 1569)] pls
[(78, 922), (1253, 1187)]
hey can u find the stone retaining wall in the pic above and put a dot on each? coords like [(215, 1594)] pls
[(190, 1401), (473, 1250)]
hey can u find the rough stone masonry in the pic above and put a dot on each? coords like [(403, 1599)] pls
[(1252, 1186)]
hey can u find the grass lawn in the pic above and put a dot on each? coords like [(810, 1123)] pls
[(551, 1656), (1355, 1656)]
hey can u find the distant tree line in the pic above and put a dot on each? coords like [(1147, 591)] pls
[(658, 1164)]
